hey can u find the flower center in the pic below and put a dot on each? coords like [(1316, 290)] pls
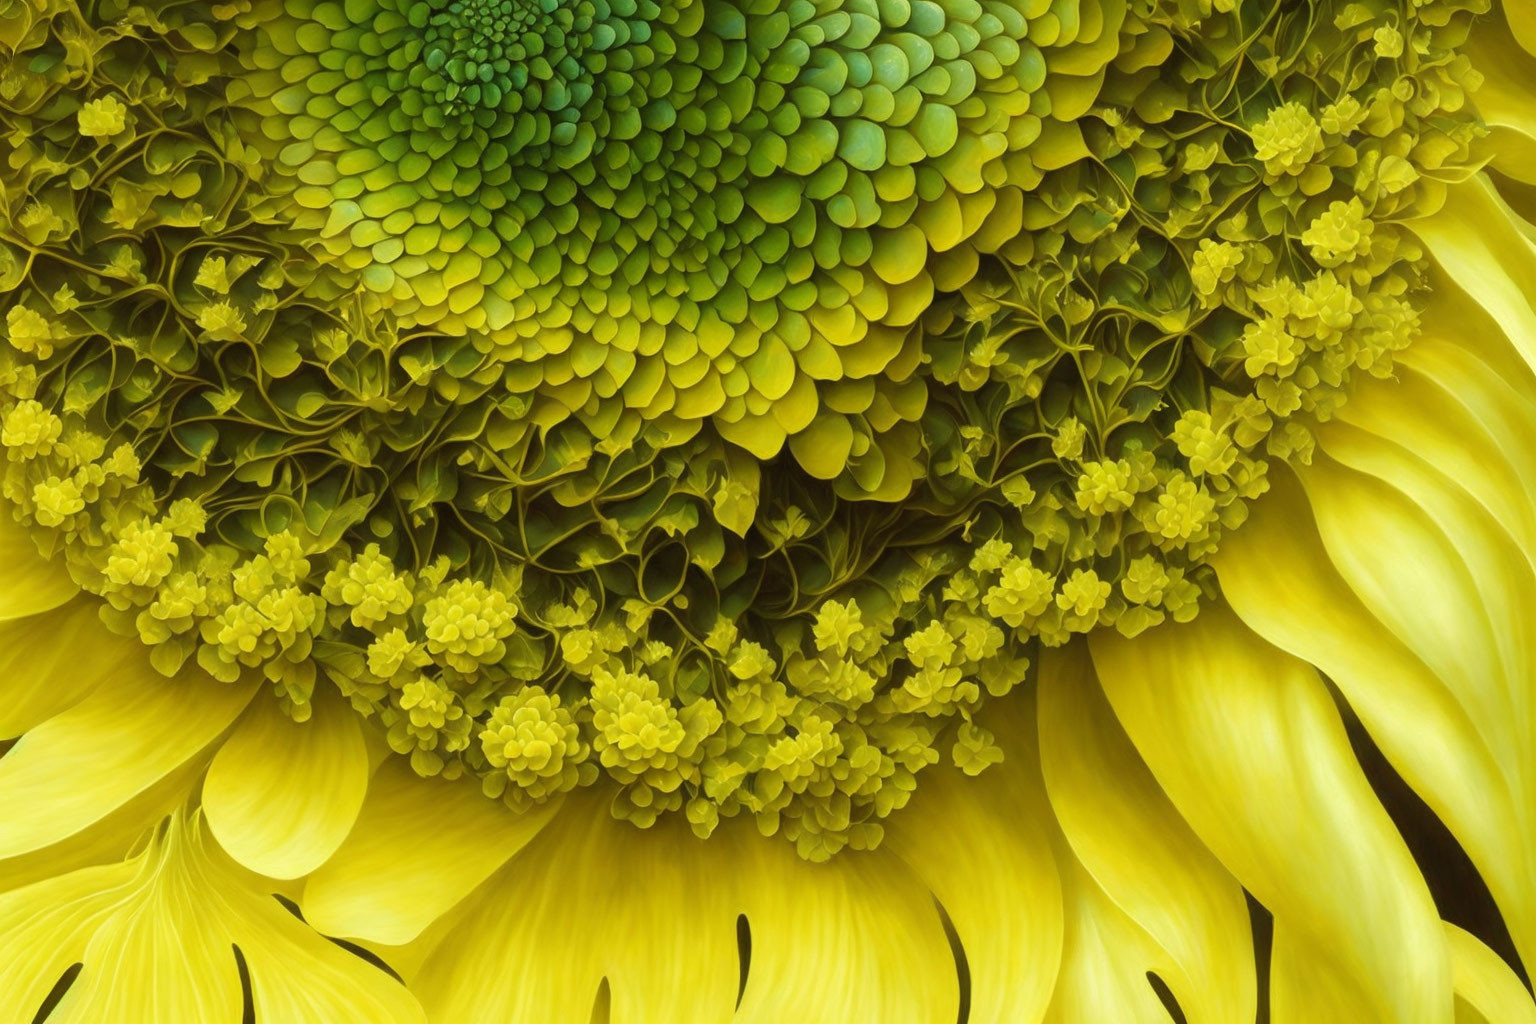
[(701, 212), (510, 59)]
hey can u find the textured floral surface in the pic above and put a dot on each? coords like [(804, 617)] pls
[(435, 349), (1061, 465)]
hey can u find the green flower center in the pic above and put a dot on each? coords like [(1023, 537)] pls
[(518, 74), (700, 212), (485, 55)]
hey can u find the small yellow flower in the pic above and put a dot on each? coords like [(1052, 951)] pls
[(1288, 139), (1340, 235), (221, 321), (1270, 348), (1389, 42), (103, 118), (29, 331)]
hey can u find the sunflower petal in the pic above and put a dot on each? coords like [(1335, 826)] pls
[(1460, 602), (299, 975), (1105, 960), (1136, 848), (418, 847), (1504, 584), (1425, 415), (156, 938), (1248, 746), (1505, 96), (135, 727), (983, 847), (1484, 983), (1308, 986), (857, 939), (1496, 264), (1278, 577), (45, 928), (281, 796), (151, 953), (31, 583), (1522, 21), (593, 898), (50, 660), (1468, 538), (114, 838)]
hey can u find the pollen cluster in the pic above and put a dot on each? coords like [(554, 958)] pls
[(718, 403)]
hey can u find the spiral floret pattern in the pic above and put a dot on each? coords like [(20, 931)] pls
[(676, 212)]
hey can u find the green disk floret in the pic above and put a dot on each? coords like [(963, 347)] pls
[(452, 382), (665, 212)]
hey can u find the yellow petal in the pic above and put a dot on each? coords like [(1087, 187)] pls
[(1458, 550), (1452, 418), (156, 938), (281, 796), (133, 728), (1503, 585), (982, 846), (1137, 849), (1507, 94), (1105, 960), (50, 660), (1484, 984), (1247, 744), (1522, 21), (44, 929), (1450, 580), (1415, 580), (29, 583), (1496, 263), (155, 955), (299, 975), (593, 898), (419, 846), (1307, 985), (111, 839), (856, 940), (655, 913), (1278, 577)]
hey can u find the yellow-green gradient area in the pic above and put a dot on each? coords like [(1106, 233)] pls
[(719, 404), (679, 212)]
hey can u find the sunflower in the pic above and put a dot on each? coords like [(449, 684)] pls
[(767, 510)]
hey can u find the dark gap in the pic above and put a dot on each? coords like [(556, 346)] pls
[(602, 1003), (289, 905), (247, 996), (368, 955), (351, 947), (962, 965), (1165, 996), (56, 993), (743, 954), (1263, 924), (1460, 895)]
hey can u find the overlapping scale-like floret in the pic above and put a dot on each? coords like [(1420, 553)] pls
[(533, 553), (667, 211)]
